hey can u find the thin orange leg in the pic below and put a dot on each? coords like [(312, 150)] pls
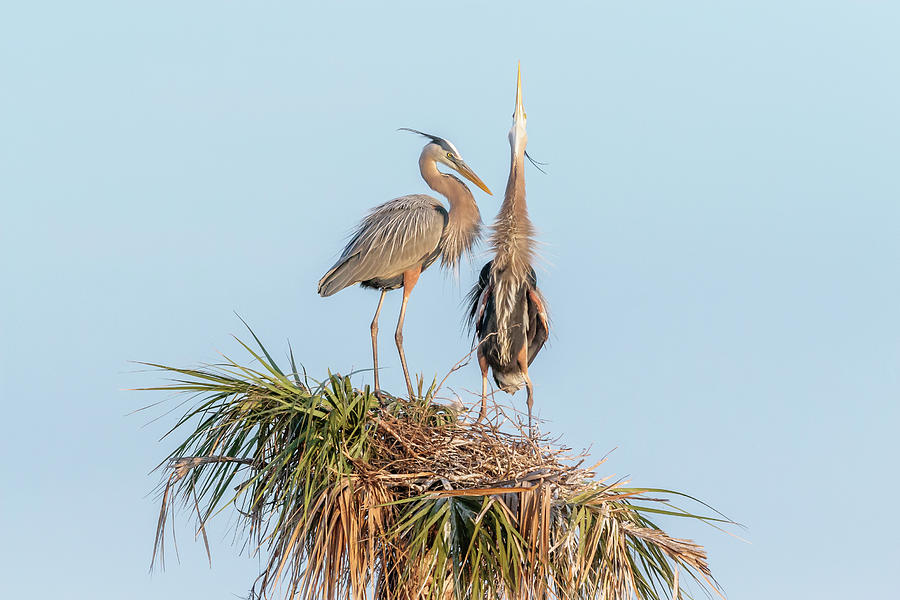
[(409, 282), (482, 362), (374, 329), (522, 360)]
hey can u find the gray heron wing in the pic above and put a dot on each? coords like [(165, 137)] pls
[(394, 237)]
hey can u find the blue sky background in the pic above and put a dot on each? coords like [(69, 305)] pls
[(720, 219)]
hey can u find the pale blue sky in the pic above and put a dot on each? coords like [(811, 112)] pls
[(720, 218)]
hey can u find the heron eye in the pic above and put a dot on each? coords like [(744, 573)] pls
[(449, 155)]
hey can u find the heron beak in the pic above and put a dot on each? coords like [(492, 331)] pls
[(469, 174), (519, 115)]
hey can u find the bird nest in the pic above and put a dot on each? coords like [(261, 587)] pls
[(348, 494)]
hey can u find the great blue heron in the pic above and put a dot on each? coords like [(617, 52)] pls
[(507, 308), (401, 238)]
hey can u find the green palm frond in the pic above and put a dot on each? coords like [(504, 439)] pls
[(347, 494)]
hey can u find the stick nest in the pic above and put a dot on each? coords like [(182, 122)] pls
[(414, 454)]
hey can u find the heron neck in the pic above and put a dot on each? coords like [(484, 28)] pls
[(464, 219), (514, 200), (512, 236)]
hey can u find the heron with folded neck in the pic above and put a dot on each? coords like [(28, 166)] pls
[(507, 310), (401, 238)]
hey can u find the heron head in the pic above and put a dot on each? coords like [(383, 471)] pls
[(518, 138), (443, 151)]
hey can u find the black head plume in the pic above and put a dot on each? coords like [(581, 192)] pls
[(445, 144)]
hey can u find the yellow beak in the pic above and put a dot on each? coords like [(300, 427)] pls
[(519, 115), (469, 174)]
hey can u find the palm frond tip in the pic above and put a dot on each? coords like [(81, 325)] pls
[(348, 495)]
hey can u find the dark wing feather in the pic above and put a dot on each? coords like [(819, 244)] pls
[(538, 323), (476, 301)]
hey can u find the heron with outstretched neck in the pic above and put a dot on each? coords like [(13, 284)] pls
[(507, 309), (401, 238)]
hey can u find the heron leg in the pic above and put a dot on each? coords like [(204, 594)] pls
[(374, 328), (409, 282), (482, 362), (522, 359)]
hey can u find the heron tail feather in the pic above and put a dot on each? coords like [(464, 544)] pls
[(510, 381), (341, 275)]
